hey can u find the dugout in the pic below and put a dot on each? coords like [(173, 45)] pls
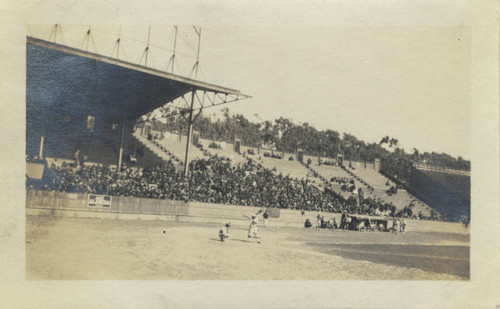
[(368, 223)]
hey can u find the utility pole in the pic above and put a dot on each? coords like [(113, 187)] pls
[(122, 140), (172, 59), (189, 133)]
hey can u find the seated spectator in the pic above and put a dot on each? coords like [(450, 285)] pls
[(133, 158)]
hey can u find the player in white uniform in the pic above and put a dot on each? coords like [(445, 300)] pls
[(402, 227), (253, 229)]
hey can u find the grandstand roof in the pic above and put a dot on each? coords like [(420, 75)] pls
[(431, 168), (104, 84)]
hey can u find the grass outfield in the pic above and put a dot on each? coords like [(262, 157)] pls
[(97, 249)]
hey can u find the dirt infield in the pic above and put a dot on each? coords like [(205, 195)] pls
[(100, 249)]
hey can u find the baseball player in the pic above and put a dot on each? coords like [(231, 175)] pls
[(402, 228), (265, 216), (253, 229), (224, 231)]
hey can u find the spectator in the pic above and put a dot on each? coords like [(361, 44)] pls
[(76, 157), (214, 180)]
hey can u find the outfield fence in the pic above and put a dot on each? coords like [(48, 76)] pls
[(64, 204)]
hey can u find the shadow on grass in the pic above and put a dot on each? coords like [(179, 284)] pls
[(453, 260)]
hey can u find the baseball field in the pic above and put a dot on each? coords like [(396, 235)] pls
[(114, 249)]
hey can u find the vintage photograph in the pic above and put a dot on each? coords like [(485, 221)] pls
[(248, 152)]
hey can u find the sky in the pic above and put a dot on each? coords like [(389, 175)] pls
[(411, 83)]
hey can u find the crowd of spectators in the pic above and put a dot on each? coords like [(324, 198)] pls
[(162, 181), (274, 155), (214, 145), (346, 183), (376, 206), (213, 180), (216, 180), (168, 152), (392, 190)]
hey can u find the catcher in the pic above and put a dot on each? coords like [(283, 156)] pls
[(224, 231)]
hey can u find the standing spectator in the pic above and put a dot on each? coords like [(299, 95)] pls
[(402, 228), (348, 220), (76, 157), (395, 225), (318, 221), (83, 159)]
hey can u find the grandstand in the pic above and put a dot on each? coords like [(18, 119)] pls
[(175, 145), (381, 184), (286, 167), (456, 180), (168, 147), (365, 177), (225, 150), (328, 172), (446, 190), (98, 120), (100, 123)]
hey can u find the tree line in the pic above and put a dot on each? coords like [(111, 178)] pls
[(285, 135)]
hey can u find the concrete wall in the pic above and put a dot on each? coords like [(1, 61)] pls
[(61, 202), (79, 202), (361, 164), (76, 205)]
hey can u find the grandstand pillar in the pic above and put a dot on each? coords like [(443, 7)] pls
[(40, 153), (189, 133), (120, 154)]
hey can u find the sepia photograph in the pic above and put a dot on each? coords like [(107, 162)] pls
[(250, 154), (341, 156)]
